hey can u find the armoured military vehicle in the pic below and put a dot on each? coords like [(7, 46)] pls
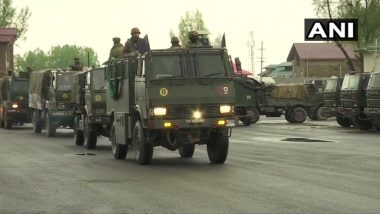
[(332, 100), (49, 98), (174, 98), (353, 101), (372, 110), (14, 102), (89, 98)]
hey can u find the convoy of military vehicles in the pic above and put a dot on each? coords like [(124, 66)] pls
[(176, 98)]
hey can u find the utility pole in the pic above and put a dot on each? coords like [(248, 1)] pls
[(261, 61), (251, 49)]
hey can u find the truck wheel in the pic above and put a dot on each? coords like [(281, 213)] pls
[(89, 135), (186, 151), (36, 122), (298, 115), (343, 121), (217, 148), (255, 118), (49, 125), (143, 148), (246, 121), (1, 121), (363, 124), (7, 122), (320, 114), (376, 124), (119, 150), (78, 134), (288, 118)]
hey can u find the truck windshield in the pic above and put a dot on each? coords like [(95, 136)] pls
[(330, 85), (211, 65), (20, 85), (374, 82), (350, 83), (166, 66), (64, 82), (98, 79)]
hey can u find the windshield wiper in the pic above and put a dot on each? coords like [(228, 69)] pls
[(213, 74)]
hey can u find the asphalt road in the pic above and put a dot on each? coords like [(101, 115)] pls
[(262, 174)]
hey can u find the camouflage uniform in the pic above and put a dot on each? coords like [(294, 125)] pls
[(175, 43), (117, 49), (193, 43), (131, 44), (77, 65)]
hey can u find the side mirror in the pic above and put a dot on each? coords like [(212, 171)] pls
[(238, 64)]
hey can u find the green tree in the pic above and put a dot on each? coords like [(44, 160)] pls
[(36, 59), (58, 57), (14, 18), (191, 21), (367, 12), (62, 56)]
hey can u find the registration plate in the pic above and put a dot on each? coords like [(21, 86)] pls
[(195, 121), (230, 123)]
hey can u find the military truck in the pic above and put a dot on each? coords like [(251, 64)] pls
[(174, 98), (353, 101), (49, 98), (372, 110), (332, 100), (246, 105), (89, 98), (14, 102), (295, 101)]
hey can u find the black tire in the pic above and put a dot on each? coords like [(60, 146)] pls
[(376, 124), (2, 121), (7, 122), (363, 124), (90, 135), (36, 122), (246, 121), (288, 118), (78, 134), (319, 113), (298, 115), (217, 148), (119, 150), (143, 148), (186, 151), (49, 125), (343, 121), (255, 118)]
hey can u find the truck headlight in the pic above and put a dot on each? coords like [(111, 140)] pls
[(225, 109), (197, 114), (14, 105), (159, 111)]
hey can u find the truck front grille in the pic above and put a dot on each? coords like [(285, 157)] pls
[(182, 112), (373, 103)]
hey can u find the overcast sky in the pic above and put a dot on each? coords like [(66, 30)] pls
[(277, 23)]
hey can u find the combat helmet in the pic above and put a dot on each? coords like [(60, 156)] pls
[(174, 39), (135, 30)]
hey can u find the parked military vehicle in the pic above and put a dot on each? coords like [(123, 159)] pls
[(247, 106), (49, 98), (14, 102), (372, 110), (331, 94), (353, 101), (171, 98), (89, 97)]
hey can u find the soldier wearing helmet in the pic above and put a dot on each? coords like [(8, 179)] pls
[(131, 44), (193, 37), (117, 49), (77, 66), (175, 43)]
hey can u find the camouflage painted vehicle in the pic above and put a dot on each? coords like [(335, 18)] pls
[(49, 99), (14, 102), (89, 98), (353, 101), (174, 98), (372, 110)]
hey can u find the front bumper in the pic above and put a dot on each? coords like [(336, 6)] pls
[(19, 115), (192, 123)]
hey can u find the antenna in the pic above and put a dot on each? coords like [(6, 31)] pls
[(261, 61)]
